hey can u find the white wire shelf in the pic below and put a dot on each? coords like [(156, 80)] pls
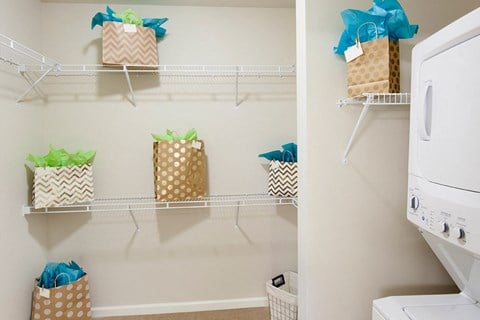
[(142, 204), (17, 54), (170, 70), (367, 100), (35, 67), (383, 99), (131, 205)]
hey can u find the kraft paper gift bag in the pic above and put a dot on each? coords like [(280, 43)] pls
[(179, 170), (377, 70), (282, 178), (58, 186), (128, 44), (71, 301)]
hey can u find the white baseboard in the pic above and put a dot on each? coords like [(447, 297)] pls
[(194, 306)]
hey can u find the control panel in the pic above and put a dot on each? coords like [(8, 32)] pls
[(449, 213)]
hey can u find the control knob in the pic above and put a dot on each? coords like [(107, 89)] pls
[(442, 227), (414, 202), (459, 233)]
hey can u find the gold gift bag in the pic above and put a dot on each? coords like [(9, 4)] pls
[(179, 170), (128, 44), (70, 301), (377, 70), (59, 186)]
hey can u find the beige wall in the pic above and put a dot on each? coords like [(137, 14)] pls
[(22, 240), (355, 243), (181, 256)]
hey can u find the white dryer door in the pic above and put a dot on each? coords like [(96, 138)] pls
[(448, 117)]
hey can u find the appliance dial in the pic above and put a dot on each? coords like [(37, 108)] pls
[(442, 227), (459, 233), (414, 202)]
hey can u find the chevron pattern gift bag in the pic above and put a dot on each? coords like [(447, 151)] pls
[(57, 186), (124, 44), (282, 178)]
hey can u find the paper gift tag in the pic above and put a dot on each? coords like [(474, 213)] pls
[(196, 145), (353, 52), (129, 27), (45, 293), (275, 165)]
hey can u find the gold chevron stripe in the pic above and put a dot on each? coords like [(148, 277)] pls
[(62, 186), (120, 47)]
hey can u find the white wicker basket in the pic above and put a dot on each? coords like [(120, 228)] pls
[(283, 300)]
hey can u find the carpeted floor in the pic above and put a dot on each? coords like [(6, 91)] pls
[(233, 314)]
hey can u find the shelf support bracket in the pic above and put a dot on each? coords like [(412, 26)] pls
[(130, 88), (130, 211), (237, 214), (30, 81), (366, 107), (33, 86), (237, 102)]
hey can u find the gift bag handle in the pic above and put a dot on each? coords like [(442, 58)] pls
[(60, 274), (363, 25), (291, 153)]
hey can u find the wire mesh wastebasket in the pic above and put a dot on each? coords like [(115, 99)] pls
[(282, 296)]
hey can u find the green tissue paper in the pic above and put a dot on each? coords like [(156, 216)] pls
[(62, 158), (130, 17), (170, 135)]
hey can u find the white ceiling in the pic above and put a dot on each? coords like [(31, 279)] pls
[(210, 3)]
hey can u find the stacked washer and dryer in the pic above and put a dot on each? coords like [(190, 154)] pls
[(444, 170)]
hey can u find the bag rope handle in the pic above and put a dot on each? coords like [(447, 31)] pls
[(363, 25), (60, 274)]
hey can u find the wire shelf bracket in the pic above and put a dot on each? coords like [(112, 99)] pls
[(368, 100), (132, 205)]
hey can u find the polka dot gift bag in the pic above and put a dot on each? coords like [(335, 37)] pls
[(377, 69), (69, 301), (179, 167)]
